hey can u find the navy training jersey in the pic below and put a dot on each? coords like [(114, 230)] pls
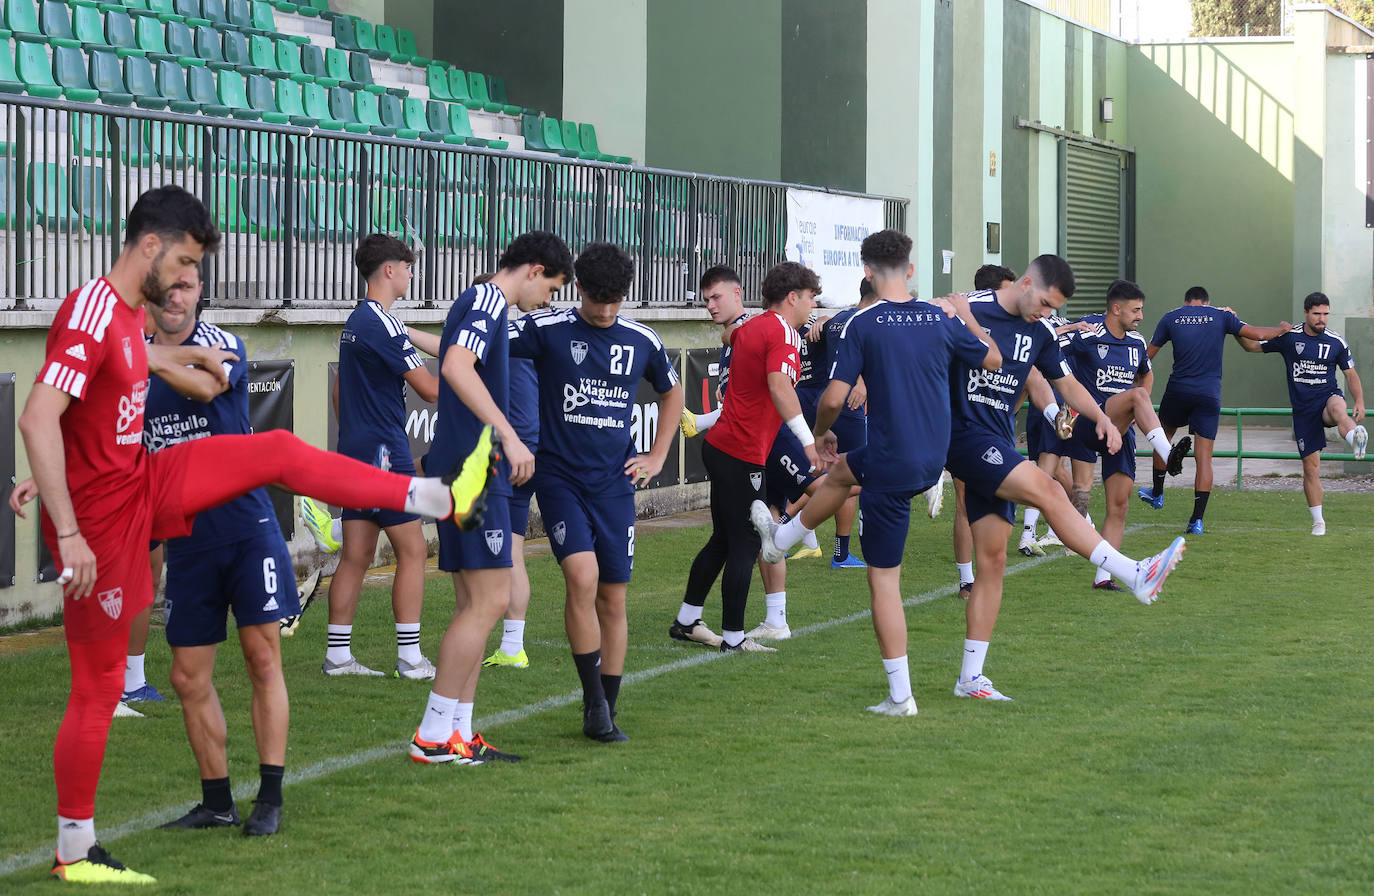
[(986, 399), (1198, 333), (375, 354), (825, 351), (171, 418), (904, 351), (1311, 363), (477, 322), (524, 396), (723, 365), (588, 377), (1103, 363)]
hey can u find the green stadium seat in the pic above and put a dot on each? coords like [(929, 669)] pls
[(189, 11), (172, 85), (214, 11), (405, 42), (303, 8), (346, 33), (477, 91), (49, 196), (223, 202), (436, 79), (393, 116), (181, 43), (366, 34), (322, 9), (107, 76), (587, 138), (533, 132), (336, 67), (263, 18), (163, 10), (289, 61), (289, 102), (10, 82), (55, 21), (386, 42), (208, 47), (132, 7), (142, 83), (461, 218), (35, 70), (261, 206), (169, 144), (341, 109), (366, 111), (119, 33), (312, 61), (360, 69), (315, 101), (239, 14), (236, 53), (88, 26), (262, 56), (436, 116), (460, 124), (458, 89), (416, 120), (21, 20), (91, 197), (89, 135), (6, 193), (151, 39), (201, 85), (263, 98), (70, 72), (233, 93)]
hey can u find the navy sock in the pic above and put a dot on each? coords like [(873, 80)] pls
[(841, 548), (1199, 505), (783, 517), (269, 790), (1159, 483), (610, 684), (589, 670), (215, 794)]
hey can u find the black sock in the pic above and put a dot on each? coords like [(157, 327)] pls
[(215, 794), (611, 685), (841, 548), (1159, 483), (783, 517), (269, 790), (589, 670), (1199, 505)]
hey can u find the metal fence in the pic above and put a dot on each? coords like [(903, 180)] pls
[(292, 202)]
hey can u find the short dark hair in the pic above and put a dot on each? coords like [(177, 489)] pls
[(1314, 299), (785, 278), (605, 272), (991, 276), (866, 289), (1196, 294), (539, 247), (484, 277), (171, 213), (1051, 271), (1124, 291), (721, 273), (376, 249), (886, 249)]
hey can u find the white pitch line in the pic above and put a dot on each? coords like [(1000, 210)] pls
[(22, 861)]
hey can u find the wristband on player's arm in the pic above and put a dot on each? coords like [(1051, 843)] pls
[(1051, 412), (799, 429)]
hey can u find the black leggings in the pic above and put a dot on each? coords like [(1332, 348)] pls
[(734, 544)]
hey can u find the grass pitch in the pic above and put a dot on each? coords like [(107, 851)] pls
[(1218, 741)]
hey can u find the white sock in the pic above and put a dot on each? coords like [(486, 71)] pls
[(512, 636), (732, 639), (777, 608), (1113, 561), (1159, 441), (340, 648), (336, 529), (965, 572), (975, 652), (1316, 514), (688, 613), (133, 673), (1350, 438), (437, 724), (1101, 576), (428, 496), (898, 678), (75, 837), (706, 421), (1032, 519), (790, 532), (408, 642), (1051, 412), (1049, 533), (809, 540), (462, 720)]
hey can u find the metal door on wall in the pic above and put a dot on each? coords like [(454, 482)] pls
[(1095, 236)]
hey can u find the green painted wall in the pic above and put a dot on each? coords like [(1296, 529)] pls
[(714, 91), (824, 82), (1015, 165), (607, 89), (521, 40)]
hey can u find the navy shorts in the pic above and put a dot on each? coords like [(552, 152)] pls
[(787, 474), (850, 432), (486, 547), (1085, 437), (253, 577), (1309, 426), (381, 516), (1202, 413), (886, 519), (520, 507), (603, 524), (983, 461)]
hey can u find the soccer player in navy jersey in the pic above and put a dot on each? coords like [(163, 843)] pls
[(903, 349), (235, 558), (1312, 354), (982, 453), (377, 362), (589, 362), (474, 405), (1193, 394)]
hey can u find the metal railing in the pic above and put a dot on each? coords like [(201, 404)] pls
[(1240, 454), (292, 201)]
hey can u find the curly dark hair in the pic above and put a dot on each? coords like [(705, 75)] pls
[(376, 249), (605, 272), (539, 247), (171, 213), (787, 277), (886, 249)]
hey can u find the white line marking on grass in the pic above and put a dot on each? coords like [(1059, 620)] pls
[(396, 750)]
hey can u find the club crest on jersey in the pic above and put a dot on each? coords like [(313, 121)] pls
[(560, 531), (112, 602), (128, 352), (495, 538), (1299, 347), (756, 480), (579, 351), (1102, 351), (992, 456)]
